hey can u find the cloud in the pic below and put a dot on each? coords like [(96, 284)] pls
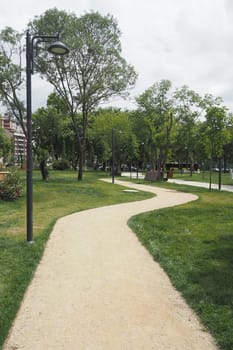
[(187, 42)]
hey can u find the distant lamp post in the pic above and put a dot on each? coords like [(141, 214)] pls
[(57, 48), (113, 157), (142, 145), (219, 174), (114, 166)]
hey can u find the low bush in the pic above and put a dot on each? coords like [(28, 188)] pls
[(62, 164), (11, 187)]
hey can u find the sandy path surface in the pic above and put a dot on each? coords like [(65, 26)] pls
[(97, 288)]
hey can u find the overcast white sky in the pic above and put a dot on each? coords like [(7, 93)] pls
[(189, 42)]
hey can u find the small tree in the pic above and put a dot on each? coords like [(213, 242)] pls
[(50, 133), (5, 145), (11, 187), (216, 134), (106, 125)]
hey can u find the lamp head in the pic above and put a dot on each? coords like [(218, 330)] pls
[(58, 48)]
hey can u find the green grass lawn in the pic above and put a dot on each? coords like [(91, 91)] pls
[(60, 196), (194, 245), (205, 177), (192, 242)]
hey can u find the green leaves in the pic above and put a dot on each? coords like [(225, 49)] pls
[(11, 73), (11, 187), (100, 134), (94, 70), (216, 131), (5, 144)]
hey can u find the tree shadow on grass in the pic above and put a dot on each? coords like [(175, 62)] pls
[(210, 289)]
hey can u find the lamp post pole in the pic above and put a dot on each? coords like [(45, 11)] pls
[(29, 138), (220, 174), (57, 48), (113, 156)]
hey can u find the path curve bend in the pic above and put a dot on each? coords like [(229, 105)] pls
[(97, 288)]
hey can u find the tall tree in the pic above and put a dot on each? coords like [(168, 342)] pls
[(228, 147), (112, 123), (156, 105), (188, 111), (93, 73), (11, 74), (216, 131), (216, 134), (50, 132)]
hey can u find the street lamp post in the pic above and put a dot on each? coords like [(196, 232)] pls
[(219, 174), (57, 48), (113, 156), (114, 168)]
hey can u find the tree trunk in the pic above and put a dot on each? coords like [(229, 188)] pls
[(80, 166), (210, 182), (44, 171), (219, 174)]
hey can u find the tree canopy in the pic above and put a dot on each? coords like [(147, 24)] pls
[(5, 144), (167, 124), (93, 72), (11, 74)]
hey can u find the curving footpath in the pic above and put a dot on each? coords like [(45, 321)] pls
[(97, 288)]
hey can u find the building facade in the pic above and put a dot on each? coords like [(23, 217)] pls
[(15, 133)]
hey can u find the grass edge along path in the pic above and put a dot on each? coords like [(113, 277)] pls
[(60, 196), (194, 245)]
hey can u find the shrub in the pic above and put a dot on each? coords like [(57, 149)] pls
[(61, 164), (11, 187)]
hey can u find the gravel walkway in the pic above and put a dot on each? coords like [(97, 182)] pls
[(97, 288)]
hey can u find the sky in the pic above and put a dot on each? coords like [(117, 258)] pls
[(189, 42)]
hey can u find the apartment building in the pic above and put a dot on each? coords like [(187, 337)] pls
[(15, 133)]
